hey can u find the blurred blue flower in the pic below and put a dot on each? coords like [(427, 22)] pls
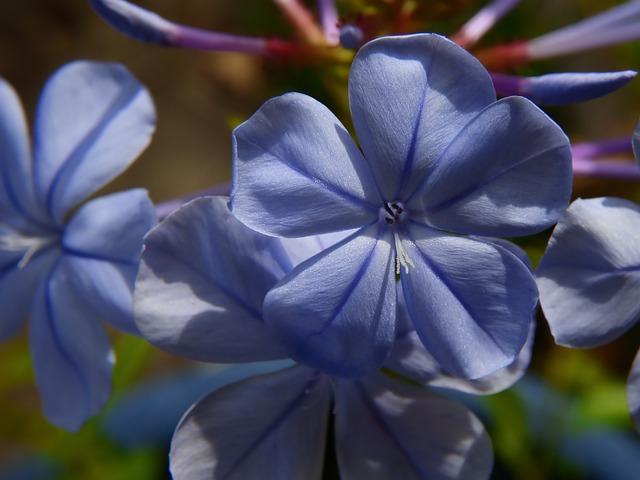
[(203, 278), (442, 161), (589, 278), (68, 269)]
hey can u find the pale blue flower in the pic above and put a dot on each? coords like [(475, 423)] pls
[(67, 268), (199, 294), (443, 168)]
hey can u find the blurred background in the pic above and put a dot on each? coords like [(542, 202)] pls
[(567, 419)]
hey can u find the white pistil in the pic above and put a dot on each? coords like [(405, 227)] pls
[(14, 242), (402, 259)]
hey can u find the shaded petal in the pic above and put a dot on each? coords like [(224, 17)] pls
[(201, 284), (336, 311), (300, 249), (17, 289), (409, 97), (471, 302), (71, 354), (507, 174), (589, 277), (18, 205), (633, 392), (93, 120), (387, 429), (111, 227), (297, 172), (106, 288), (562, 88), (269, 426), (411, 359)]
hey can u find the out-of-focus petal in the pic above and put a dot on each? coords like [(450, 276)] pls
[(269, 426), (471, 302), (202, 281), (106, 288), (387, 429), (18, 206), (93, 120), (562, 88), (17, 288), (297, 172), (589, 277), (336, 311), (507, 174), (410, 96), (111, 227), (71, 354)]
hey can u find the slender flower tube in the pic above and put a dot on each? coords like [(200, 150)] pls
[(617, 25), (562, 88), (302, 20), (443, 168), (482, 22), (591, 160), (149, 27), (330, 20), (591, 150)]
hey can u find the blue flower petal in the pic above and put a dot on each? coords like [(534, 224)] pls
[(507, 174), (336, 311), (18, 206), (93, 120), (17, 289), (411, 359), (589, 277), (471, 302), (387, 429), (269, 426), (71, 354), (297, 171), (106, 287), (111, 227), (633, 392), (202, 281), (410, 96)]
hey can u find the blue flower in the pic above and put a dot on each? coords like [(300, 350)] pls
[(443, 169), (67, 269), (589, 278), (199, 293)]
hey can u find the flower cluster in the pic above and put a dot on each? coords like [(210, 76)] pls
[(376, 270)]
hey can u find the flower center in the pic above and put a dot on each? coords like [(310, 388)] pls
[(393, 212)]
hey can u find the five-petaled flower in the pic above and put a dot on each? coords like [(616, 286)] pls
[(444, 168), (69, 269), (199, 293)]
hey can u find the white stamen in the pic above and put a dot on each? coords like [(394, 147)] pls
[(402, 259), (15, 242)]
